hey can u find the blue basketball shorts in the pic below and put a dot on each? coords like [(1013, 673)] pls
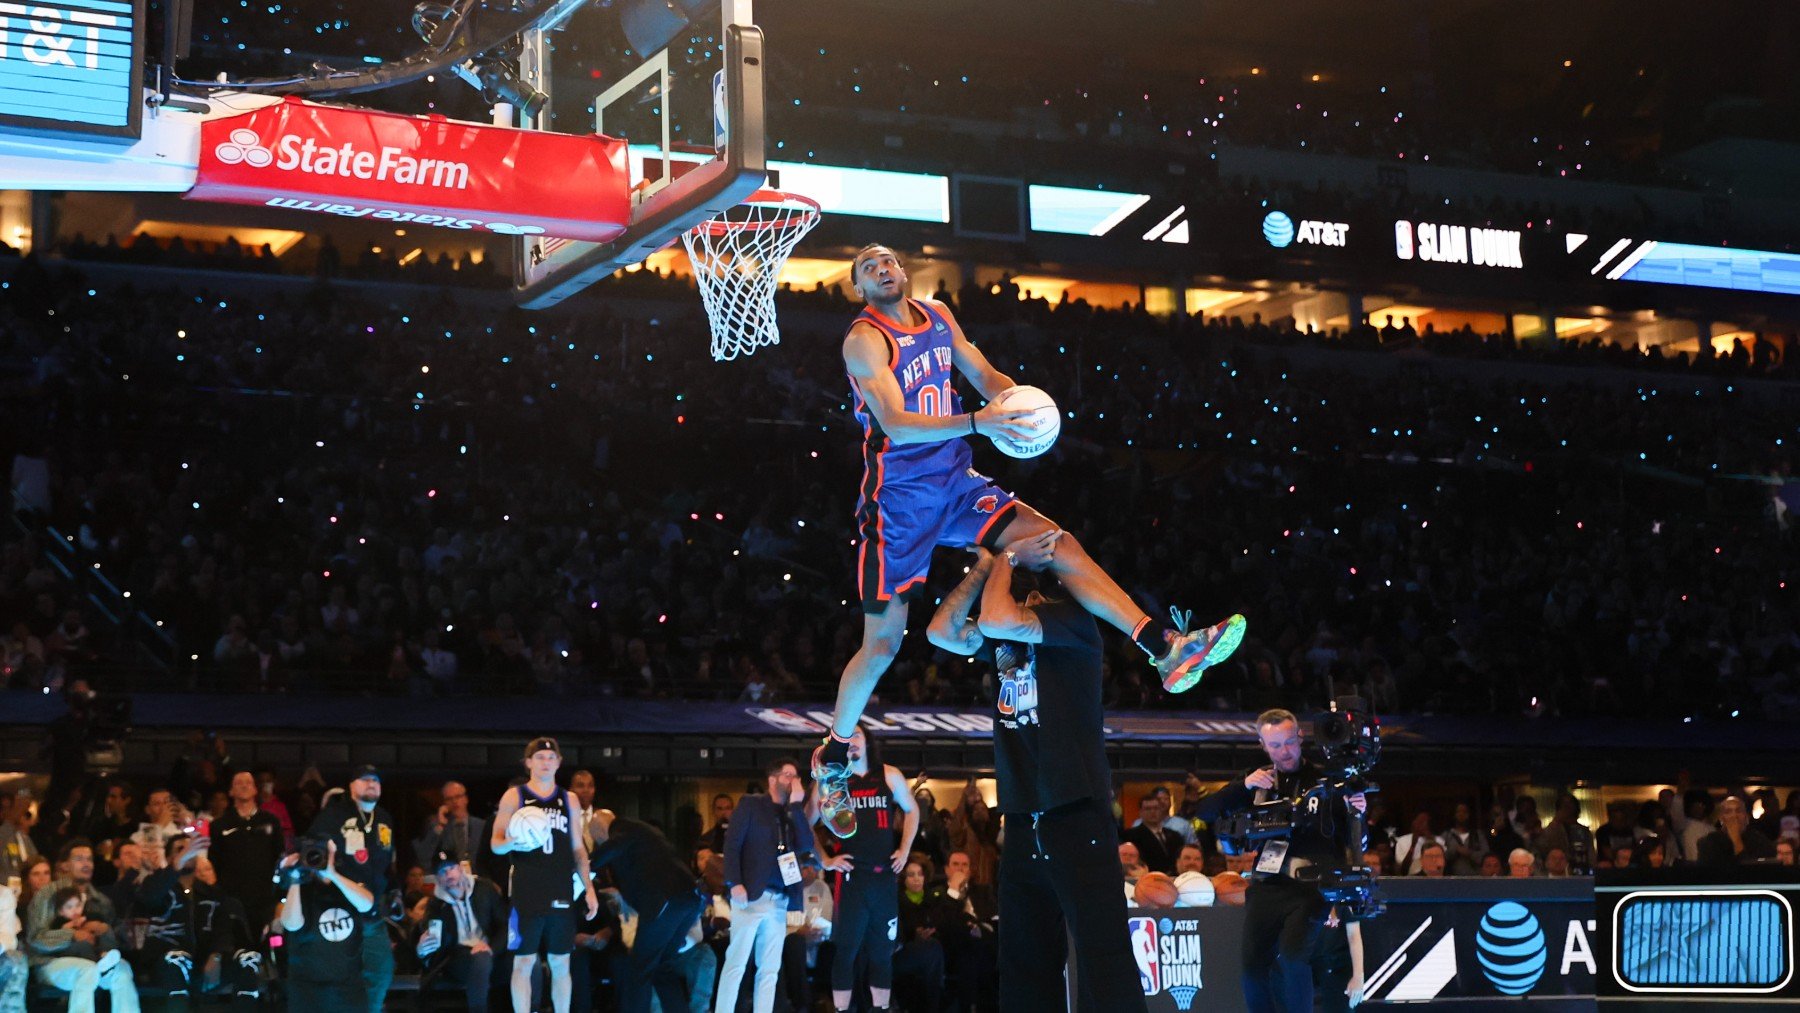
[(902, 520)]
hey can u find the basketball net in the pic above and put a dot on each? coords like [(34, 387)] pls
[(737, 260)]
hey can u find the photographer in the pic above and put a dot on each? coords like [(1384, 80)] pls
[(196, 931), (320, 917), (363, 833), (1282, 914)]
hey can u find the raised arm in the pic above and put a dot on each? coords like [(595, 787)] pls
[(951, 628), (1002, 617), (866, 357)]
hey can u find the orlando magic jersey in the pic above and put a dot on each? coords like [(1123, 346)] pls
[(540, 878)]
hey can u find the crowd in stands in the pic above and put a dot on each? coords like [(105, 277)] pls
[(120, 847), (312, 492)]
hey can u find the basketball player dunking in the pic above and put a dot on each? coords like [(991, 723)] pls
[(920, 492), (542, 880)]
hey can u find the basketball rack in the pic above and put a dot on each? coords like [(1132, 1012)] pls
[(547, 270)]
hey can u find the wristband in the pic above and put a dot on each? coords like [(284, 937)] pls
[(971, 423)]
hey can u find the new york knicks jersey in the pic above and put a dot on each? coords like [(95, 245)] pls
[(921, 359)]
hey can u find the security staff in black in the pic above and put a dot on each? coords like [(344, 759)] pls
[(660, 887), (868, 905), (364, 834), (318, 919), (548, 860), (1059, 873), (1283, 916)]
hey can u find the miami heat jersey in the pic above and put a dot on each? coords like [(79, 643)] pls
[(877, 825), (541, 879), (921, 358)]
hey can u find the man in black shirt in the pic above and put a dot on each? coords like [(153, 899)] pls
[(325, 948), (364, 835), (193, 926), (1282, 914), (247, 845), (1157, 845), (1059, 875), (656, 883)]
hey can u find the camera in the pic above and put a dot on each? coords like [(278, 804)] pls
[(314, 855), (1345, 748)]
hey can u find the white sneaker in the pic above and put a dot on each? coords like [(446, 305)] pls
[(107, 961)]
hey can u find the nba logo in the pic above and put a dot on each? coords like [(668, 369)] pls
[(1403, 240), (1143, 947), (720, 127)]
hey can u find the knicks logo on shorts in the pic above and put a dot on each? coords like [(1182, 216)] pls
[(987, 504)]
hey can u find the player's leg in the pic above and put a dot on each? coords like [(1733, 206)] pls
[(561, 988), (1180, 655), (524, 964), (852, 920), (525, 935), (882, 633), (881, 931)]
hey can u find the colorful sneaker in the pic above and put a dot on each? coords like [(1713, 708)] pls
[(831, 769), (1191, 654)]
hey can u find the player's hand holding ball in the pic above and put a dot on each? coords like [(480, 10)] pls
[(1022, 421), (528, 829)]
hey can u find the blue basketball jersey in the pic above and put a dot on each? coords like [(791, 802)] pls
[(922, 360)]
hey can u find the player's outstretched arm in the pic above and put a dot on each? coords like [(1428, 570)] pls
[(970, 360), (951, 628), (866, 359)]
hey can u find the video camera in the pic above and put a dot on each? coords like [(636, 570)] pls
[(314, 855), (1346, 745)]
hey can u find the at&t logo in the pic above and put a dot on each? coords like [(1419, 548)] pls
[(1511, 948), (1281, 231)]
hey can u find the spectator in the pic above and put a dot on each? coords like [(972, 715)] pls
[(1410, 847), (974, 830), (714, 838), (919, 960), (14, 968), (1567, 833), (1464, 842), (38, 875), (17, 849), (452, 832), (769, 834), (1431, 860), (1619, 831), (54, 958), (130, 867), (1229, 886), (583, 789), (1736, 842), (969, 913), (1190, 875), (1521, 864), (1491, 866), (117, 820), (455, 937), (1784, 851), (196, 931), (268, 799), (1556, 862), (247, 845), (1696, 822), (1157, 845), (1502, 838)]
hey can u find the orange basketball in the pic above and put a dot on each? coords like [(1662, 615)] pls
[(1156, 889)]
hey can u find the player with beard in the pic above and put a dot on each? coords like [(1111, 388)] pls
[(364, 834)]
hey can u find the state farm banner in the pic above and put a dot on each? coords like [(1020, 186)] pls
[(423, 170)]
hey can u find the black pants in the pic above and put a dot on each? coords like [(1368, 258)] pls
[(1057, 880), (326, 996), (868, 918), (182, 970), (659, 939), (473, 971), (1282, 919), (919, 976)]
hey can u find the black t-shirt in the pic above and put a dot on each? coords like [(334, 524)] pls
[(1049, 742), (329, 946), (644, 866), (245, 852), (1306, 841)]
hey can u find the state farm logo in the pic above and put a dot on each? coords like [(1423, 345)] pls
[(245, 147), (293, 153)]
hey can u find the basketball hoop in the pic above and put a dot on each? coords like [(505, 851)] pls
[(737, 260)]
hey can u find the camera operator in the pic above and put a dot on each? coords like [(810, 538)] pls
[(363, 832), (320, 915), (1282, 914), (196, 931)]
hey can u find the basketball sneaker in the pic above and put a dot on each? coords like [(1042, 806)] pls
[(1190, 654), (831, 769)]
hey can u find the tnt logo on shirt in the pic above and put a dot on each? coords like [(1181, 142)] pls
[(1018, 699), (336, 925)]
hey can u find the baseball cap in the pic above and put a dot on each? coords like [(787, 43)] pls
[(368, 770), (541, 743)]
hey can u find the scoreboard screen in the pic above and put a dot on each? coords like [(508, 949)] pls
[(72, 67)]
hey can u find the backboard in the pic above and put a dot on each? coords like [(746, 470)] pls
[(693, 97)]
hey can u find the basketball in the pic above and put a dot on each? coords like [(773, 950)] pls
[(1045, 423), (529, 829), (1156, 889)]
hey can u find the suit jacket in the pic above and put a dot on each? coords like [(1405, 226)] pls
[(750, 844), (1158, 847), (1714, 850), (485, 903)]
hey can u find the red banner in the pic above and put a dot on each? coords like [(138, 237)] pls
[(422, 170)]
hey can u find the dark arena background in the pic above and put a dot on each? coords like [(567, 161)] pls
[(368, 417)]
